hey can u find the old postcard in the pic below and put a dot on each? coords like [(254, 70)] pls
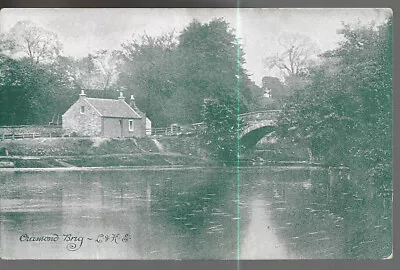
[(227, 134)]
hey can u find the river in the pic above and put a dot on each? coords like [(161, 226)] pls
[(201, 213)]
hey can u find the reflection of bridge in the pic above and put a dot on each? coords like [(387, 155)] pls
[(255, 126)]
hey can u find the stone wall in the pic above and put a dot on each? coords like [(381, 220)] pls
[(83, 124)]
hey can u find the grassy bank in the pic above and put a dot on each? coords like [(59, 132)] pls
[(77, 146), (105, 161), (90, 152), (275, 151), (186, 145), (149, 151)]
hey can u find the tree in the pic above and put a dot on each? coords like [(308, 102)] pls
[(98, 70), (32, 93), (222, 127), (171, 75), (5, 44), (274, 92), (299, 53), (64, 83), (345, 113), (211, 66), (36, 43), (28, 92), (148, 70)]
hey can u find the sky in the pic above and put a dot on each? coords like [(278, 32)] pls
[(86, 30)]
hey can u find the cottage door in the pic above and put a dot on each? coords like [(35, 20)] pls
[(120, 124)]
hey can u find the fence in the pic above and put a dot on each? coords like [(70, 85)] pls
[(163, 131), (167, 131), (29, 131), (34, 131), (175, 129), (33, 135)]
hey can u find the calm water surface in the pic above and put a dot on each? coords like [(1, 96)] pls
[(282, 213)]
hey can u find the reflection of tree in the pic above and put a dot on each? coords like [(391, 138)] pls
[(323, 220), (366, 218), (199, 215)]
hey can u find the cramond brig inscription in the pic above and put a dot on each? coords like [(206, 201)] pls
[(74, 242)]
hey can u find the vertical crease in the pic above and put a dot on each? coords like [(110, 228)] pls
[(238, 132)]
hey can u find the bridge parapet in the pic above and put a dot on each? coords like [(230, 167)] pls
[(251, 121), (261, 120), (260, 115)]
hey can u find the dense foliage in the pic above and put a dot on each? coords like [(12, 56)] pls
[(344, 113), (220, 133), (32, 93), (172, 75), (169, 75)]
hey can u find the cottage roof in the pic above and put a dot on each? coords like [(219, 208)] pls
[(113, 108)]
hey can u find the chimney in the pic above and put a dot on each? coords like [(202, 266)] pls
[(132, 102), (121, 96), (82, 94)]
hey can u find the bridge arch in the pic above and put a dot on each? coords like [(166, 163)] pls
[(257, 125), (250, 139)]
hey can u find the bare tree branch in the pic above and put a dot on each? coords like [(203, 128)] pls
[(37, 43), (298, 53)]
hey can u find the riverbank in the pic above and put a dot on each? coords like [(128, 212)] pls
[(90, 152), (77, 146), (275, 168), (126, 152)]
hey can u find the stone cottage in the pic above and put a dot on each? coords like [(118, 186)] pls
[(112, 118)]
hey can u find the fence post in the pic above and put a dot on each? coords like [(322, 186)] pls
[(3, 137), (23, 135), (50, 134), (33, 135), (13, 137)]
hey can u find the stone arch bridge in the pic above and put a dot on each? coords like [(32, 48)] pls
[(257, 125)]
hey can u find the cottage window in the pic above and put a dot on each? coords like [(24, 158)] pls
[(130, 125), (82, 109)]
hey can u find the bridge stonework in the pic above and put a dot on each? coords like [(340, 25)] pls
[(256, 120), (257, 125), (250, 126)]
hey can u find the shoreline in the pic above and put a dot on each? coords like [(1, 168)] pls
[(274, 167), (97, 154)]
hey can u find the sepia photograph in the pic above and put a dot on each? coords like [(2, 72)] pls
[(196, 133)]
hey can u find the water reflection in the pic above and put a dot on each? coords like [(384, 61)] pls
[(284, 214), (260, 241)]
